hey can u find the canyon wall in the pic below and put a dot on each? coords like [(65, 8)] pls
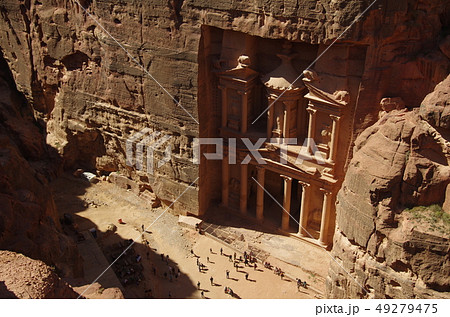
[(37, 281), (385, 246), (29, 221), (91, 96), (93, 82)]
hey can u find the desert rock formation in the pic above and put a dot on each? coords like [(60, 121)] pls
[(400, 162), (22, 277), (88, 97), (93, 96), (29, 221)]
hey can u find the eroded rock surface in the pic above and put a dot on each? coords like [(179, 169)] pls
[(93, 96), (22, 277), (401, 161), (29, 221)]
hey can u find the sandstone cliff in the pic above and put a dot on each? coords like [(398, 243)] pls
[(389, 244), (29, 221), (90, 97), (93, 96), (22, 277)]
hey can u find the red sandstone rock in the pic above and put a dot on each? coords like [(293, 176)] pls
[(401, 161), (22, 277)]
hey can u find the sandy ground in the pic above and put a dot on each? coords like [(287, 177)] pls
[(97, 206)]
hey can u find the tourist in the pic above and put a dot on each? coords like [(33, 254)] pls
[(210, 250), (221, 251), (198, 285), (203, 295), (154, 270), (236, 266), (255, 266), (162, 257), (143, 228), (228, 274), (230, 258), (207, 259), (211, 280), (234, 256), (299, 284), (167, 259), (246, 276)]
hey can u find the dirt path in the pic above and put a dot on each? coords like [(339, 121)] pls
[(97, 206)]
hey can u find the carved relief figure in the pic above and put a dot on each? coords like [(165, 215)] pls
[(325, 134)]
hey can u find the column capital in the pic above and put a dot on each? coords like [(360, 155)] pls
[(335, 117), (325, 191), (304, 184), (286, 178), (311, 111), (221, 87)]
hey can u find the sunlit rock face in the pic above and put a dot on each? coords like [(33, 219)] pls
[(388, 245), (95, 80), (92, 95)]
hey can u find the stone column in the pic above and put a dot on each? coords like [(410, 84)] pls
[(225, 180), (244, 187), (303, 221), (244, 111), (286, 203), (311, 126), (334, 138), (291, 118), (270, 119), (260, 193), (223, 89), (285, 123), (324, 223)]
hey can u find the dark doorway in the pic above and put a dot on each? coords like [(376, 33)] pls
[(296, 201), (273, 183)]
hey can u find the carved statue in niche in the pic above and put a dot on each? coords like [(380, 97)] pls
[(277, 132), (234, 184), (325, 134), (315, 218), (243, 62)]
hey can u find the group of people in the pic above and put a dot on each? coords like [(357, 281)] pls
[(278, 272), (301, 283), (128, 267)]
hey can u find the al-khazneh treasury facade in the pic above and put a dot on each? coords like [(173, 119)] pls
[(225, 62), (266, 100)]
